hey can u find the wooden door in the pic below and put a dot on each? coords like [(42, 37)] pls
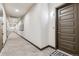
[(66, 28), (1, 35)]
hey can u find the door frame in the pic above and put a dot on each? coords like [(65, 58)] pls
[(56, 23)]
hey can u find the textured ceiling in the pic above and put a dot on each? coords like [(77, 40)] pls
[(21, 7)]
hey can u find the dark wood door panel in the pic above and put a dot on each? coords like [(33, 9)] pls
[(1, 46), (67, 20), (69, 50), (67, 31), (67, 46), (67, 23), (67, 28), (66, 34), (1, 38), (71, 39), (66, 9), (67, 13), (62, 41), (70, 16)]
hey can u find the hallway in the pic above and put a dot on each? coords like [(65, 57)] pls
[(17, 46)]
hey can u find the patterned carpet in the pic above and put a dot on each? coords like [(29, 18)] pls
[(17, 46)]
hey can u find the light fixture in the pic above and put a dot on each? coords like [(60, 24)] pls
[(52, 13), (17, 10)]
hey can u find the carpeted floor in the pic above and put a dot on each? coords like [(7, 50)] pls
[(17, 46)]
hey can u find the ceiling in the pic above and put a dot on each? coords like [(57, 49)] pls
[(17, 9)]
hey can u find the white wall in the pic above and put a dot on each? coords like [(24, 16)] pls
[(8, 28), (36, 25), (13, 21), (44, 24), (52, 21), (17, 27), (39, 24)]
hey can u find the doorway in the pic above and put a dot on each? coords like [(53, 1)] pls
[(67, 28), (1, 28)]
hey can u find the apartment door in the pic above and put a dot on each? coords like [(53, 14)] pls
[(1, 36), (1, 29), (66, 24)]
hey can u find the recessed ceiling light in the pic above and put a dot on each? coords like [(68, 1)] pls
[(17, 10)]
